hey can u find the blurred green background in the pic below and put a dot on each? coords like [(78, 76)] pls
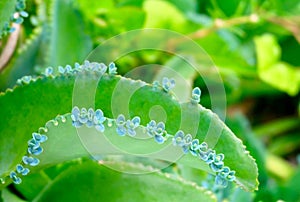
[(255, 44)]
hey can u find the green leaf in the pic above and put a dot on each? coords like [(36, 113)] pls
[(282, 76), (7, 9), (23, 62), (8, 196), (271, 70), (33, 184), (268, 51), (48, 96), (94, 182), (68, 41), (240, 195), (192, 174)]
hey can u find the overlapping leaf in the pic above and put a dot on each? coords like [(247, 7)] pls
[(30, 106)]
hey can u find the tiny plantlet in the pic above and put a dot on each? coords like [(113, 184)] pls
[(127, 127)]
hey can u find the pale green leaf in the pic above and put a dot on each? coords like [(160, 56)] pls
[(271, 70), (94, 182), (48, 96)]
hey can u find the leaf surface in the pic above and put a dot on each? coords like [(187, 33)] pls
[(48, 96)]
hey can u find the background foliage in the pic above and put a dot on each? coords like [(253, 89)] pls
[(255, 45)]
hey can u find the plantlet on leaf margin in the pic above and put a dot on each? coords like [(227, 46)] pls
[(34, 149), (91, 118), (16, 17), (160, 135), (199, 150), (196, 93)]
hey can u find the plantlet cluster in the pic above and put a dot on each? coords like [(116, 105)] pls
[(95, 118), (196, 152), (34, 149), (90, 118)]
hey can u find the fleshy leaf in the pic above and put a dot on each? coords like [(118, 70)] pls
[(6, 195), (94, 182), (49, 96)]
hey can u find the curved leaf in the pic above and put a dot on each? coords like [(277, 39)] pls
[(23, 62), (65, 20), (94, 182), (7, 9), (6, 195), (48, 96)]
